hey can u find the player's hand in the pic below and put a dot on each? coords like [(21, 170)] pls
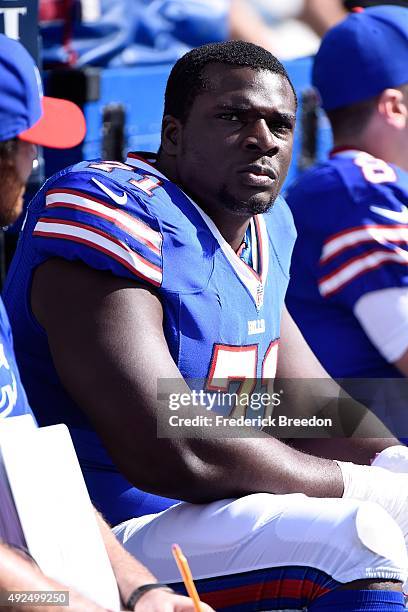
[(158, 600), (377, 484), (394, 459)]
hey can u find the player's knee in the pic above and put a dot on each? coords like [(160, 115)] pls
[(379, 533), (371, 545), (358, 539), (346, 538)]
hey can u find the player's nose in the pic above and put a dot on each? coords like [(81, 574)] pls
[(260, 138)]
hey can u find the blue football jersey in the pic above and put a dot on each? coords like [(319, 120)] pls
[(13, 400), (352, 222), (221, 316)]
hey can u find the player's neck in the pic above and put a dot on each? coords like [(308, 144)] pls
[(163, 163), (232, 227), (377, 145), (350, 144)]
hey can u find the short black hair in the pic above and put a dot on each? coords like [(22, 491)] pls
[(187, 80)]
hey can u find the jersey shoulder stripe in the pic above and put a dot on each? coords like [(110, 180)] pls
[(364, 234), (101, 241), (74, 219), (77, 200), (343, 275)]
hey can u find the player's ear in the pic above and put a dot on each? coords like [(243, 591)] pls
[(393, 107), (170, 136)]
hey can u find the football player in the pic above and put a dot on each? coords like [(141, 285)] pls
[(131, 279), (29, 119), (349, 291)]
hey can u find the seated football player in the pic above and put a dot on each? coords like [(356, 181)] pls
[(29, 119), (132, 279)]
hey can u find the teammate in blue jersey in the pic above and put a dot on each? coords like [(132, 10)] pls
[(23, 112), (132, 279), (349, 285)]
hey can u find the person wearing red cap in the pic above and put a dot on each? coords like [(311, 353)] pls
[(27, 119)]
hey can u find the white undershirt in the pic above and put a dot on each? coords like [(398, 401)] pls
[(383, 315)]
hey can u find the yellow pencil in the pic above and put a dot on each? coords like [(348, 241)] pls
[(185, 572)]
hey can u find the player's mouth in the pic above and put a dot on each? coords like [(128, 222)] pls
[(257, 176)]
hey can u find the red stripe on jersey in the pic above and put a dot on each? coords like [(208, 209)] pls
[(98, 248), (124, 227), (349, 231), (260, 247), (91, 229), (81, 194), (142, 159), (385, 257)]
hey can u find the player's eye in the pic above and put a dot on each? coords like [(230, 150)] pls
[(280, 128), (229, 117)]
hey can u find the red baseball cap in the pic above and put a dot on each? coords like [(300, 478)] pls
[(61, 125), (24, 111)]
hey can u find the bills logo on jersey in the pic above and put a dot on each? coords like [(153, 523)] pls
[(256, 327)]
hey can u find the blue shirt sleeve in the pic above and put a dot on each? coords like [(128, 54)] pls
[(369, 253)]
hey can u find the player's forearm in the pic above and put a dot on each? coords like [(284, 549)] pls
[(20, 575), (129, 573), (240, 467), (207, 469), (358, 450)]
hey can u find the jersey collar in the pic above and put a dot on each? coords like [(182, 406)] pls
[(253, 281), (133, 159)]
